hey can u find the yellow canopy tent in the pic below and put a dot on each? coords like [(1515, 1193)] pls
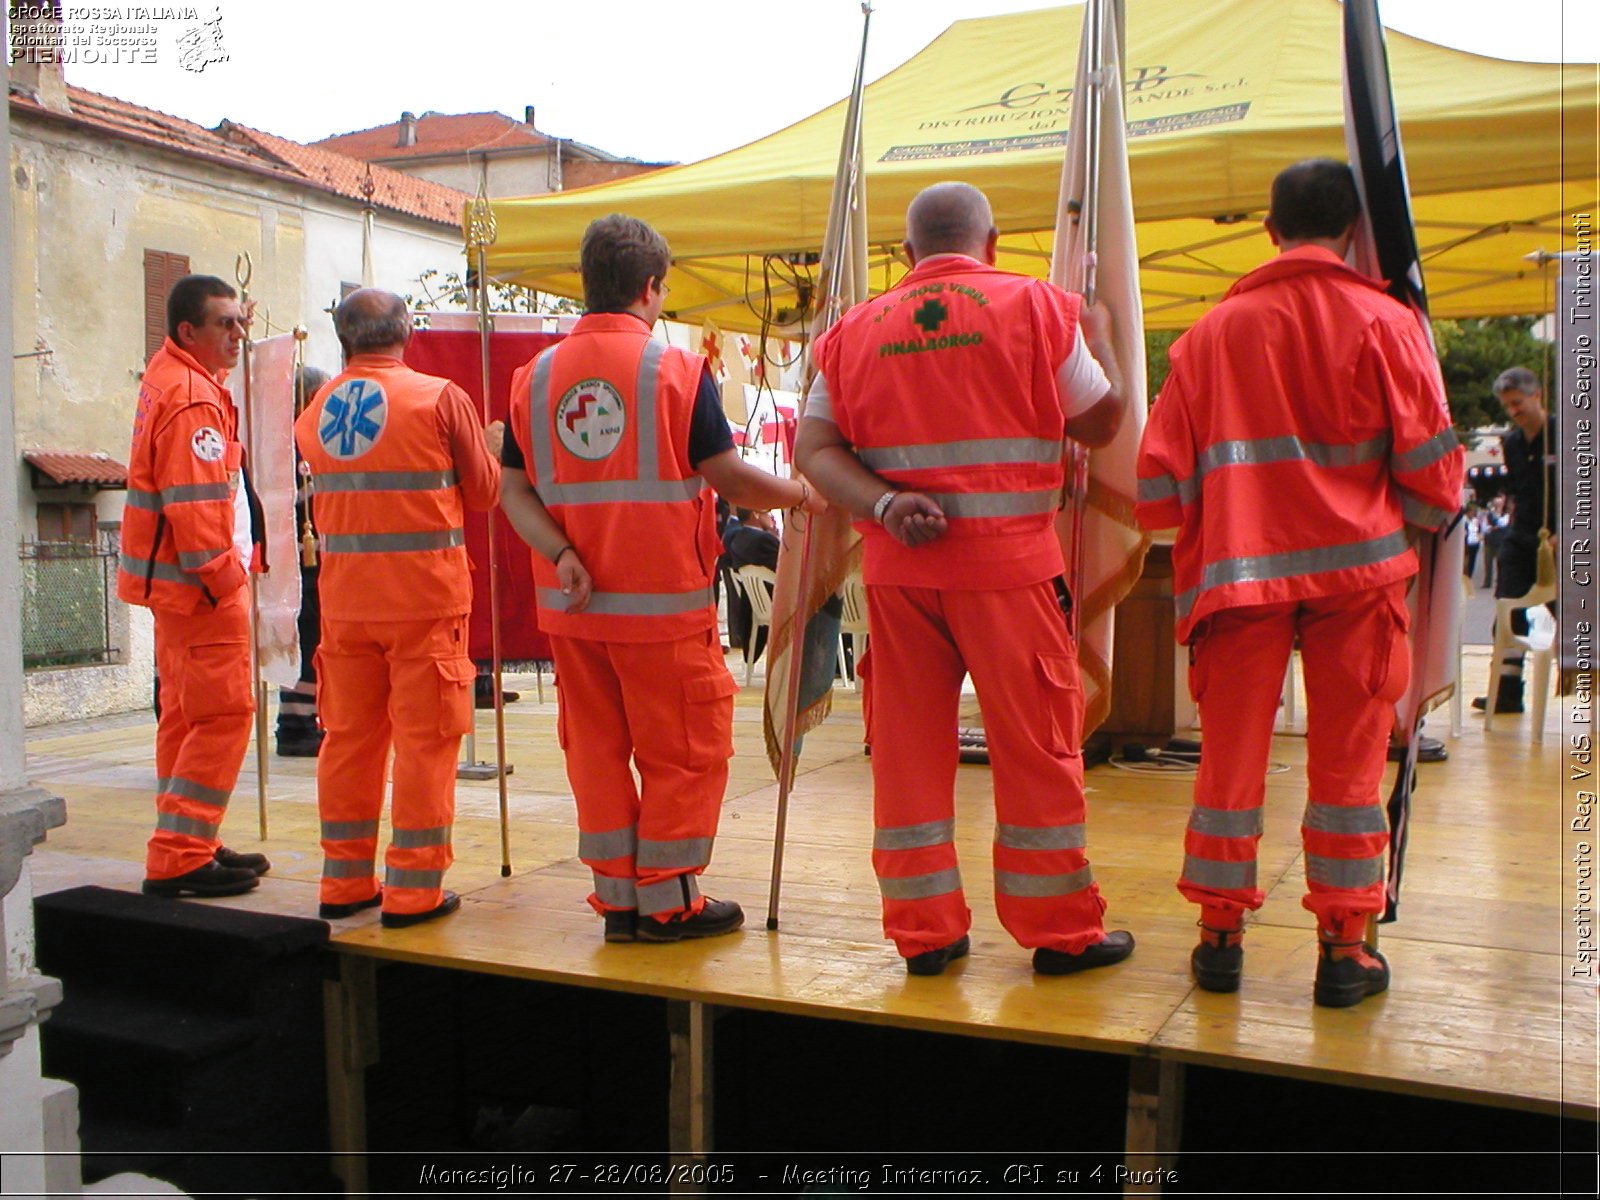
[(1219, 97)]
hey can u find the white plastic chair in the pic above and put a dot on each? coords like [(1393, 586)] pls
[(853, 620), (1538, 644), (758, 584)]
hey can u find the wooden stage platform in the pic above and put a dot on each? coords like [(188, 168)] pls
[(1483, 1008)]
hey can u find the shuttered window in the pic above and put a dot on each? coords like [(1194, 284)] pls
[(162, 269)]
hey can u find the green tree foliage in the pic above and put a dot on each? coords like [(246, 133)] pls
[(1473, 352)]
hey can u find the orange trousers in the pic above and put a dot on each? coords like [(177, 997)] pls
[(203, 660), (1014, 644), (1357, 664), (666, 708), (405, 685)]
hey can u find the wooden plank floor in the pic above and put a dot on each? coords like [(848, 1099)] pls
[(1481, 1008)]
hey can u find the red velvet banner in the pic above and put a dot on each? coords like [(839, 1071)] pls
[(456, 356)]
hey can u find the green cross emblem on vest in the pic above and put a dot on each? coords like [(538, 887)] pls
[(931, 315)]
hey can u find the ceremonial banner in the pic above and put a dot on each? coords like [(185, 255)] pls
[(457, 355), (1386, 248), (1110, 548), (269, 442)]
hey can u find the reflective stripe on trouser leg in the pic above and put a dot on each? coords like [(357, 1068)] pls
[(916, 685), (430, 700), (1015, 644), (1238, 660), (1357, 665), (609, 855), (204, 663), (353, 763)]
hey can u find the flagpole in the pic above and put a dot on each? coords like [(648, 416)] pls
[(846, 225), (242, 270), (481, 235)]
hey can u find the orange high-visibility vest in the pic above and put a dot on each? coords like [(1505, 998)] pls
[(183, 469), (388, 509), (605, 419), (947, 386)]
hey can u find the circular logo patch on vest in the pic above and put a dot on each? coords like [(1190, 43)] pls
[(353, 418), (590, 419), (208, 444)]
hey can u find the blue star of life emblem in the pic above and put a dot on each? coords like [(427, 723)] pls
[(353, 418)]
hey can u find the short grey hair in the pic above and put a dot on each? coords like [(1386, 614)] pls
[(371, 319), (1517, 379)]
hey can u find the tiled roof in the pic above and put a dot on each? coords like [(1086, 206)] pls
[(440, 133), (67, 466), (252, 150)]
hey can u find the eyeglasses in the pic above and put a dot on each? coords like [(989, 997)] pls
[(229, 322)]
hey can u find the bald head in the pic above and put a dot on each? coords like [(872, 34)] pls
[(370, 321), (950, 218)]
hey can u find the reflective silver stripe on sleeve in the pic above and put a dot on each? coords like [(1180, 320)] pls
[(1215, 873), (674, 855), (346, 868), (384, 481), (632, 604), (402, 877), (1258, 567), (142, 568), (149, 501), (623, 491), (976, 452), (1423, 516), (391, 543), (416, 839), (1222, 822), (1041, 837), (1344, 872), (188, 789), (613, 843), (1425, 455), (920, 887), (958, 505), (348, 831), (667, 896), (914, 837), (193, 560), (1015, 883), (1346, 818), (183, 493), (618, 893), (188, 826), (1153, 491)]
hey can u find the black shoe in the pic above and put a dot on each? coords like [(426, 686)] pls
[(212, 879), (1217, 963), (715, 917), (1428, 750), (233, 860), (1342, 982), (621, 925), (483, 693), (933, 962), (338, 912), (299, 745), (1113, 948), (448, 905), (1503, 703)]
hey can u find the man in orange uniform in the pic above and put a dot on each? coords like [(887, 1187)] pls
[(187, 549), (395, 458), (937, 417), (615, 437), (1302, 429)]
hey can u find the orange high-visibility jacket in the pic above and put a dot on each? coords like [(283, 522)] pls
[(178, 519), (947, 386), (395, 458), (604, 417), (1303, 426)]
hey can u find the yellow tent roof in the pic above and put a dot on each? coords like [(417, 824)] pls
[(1220, 96)]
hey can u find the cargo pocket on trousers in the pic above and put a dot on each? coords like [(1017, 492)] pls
[(456, 677), (708, 717), (1197, 662), (1060, 702), (216, 681), (1391, 658)]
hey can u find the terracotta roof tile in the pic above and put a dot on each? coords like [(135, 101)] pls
[(439, 133), (68, 466)]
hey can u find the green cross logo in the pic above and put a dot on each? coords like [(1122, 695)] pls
[(931, 315)]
